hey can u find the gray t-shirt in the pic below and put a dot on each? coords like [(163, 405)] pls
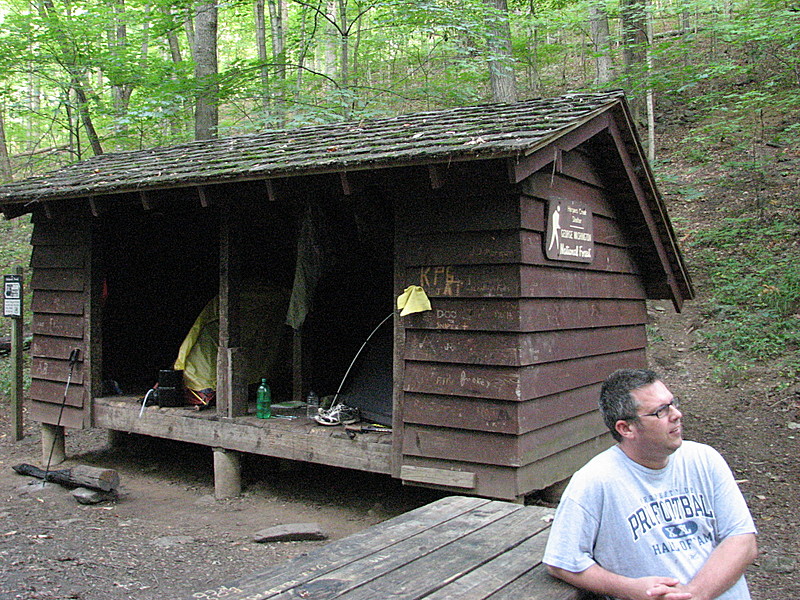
[(640, 522)]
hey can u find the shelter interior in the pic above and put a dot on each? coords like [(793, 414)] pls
[(161, 266)]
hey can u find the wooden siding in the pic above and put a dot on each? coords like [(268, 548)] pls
[(501, 377), (59, 261)]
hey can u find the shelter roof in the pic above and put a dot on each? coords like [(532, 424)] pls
[(492, 130)]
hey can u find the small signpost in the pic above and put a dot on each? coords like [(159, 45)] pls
[(12, 307)]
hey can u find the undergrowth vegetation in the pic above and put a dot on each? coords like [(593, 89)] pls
[(752, 266)]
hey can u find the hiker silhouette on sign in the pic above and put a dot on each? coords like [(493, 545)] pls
[(556, 228)]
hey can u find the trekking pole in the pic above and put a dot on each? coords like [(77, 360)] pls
[(73, 359), (355, 358)]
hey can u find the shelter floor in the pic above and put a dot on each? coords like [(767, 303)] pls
[(289, 434)]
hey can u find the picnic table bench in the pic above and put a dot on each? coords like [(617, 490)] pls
[(455, 548)]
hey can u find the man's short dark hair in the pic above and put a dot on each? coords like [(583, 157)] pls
[(616, 401)]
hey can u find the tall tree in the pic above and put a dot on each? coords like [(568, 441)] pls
[(633, 14), (501, 60), (71, 59), (261, 45), (277, 9), (6, 173), (206, 115), (601, 42)]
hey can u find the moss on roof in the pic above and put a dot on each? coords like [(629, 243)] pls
[(487, 131)]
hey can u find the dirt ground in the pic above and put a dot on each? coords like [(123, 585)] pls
[(166, 536)]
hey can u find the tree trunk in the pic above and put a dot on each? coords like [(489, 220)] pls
[(501, 64), (276, 14), (118, 39), (634, 51), (80, 476), (206, 116), (344, 43), (175, 122), (301, 59), (276, 11), (261, 45), (651, 108), (86, 117), (598, 25), (6, 173), (172, 39), (331, 36)]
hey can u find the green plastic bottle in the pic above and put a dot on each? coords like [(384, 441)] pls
[(263, 401)]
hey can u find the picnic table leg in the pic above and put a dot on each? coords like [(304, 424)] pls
[(227, 473)]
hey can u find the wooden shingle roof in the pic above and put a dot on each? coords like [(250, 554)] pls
[(488, 131)]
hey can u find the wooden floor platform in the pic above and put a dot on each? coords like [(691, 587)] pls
[(456, 548), (297, 438)]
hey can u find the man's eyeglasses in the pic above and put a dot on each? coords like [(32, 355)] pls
[(663, 411)]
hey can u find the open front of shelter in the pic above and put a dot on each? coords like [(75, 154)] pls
[(535, 230)]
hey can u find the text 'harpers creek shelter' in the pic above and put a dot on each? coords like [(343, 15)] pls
[(535, 229)]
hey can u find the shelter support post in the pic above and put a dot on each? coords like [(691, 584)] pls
[(53, 441), (297, 366), (227, 473), (231, 387)]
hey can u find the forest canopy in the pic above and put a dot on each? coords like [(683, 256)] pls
[(83, 77)]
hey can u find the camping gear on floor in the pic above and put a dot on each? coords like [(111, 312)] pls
[(263, 311), (170, 388)]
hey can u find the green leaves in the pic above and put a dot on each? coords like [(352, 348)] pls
[(753, 267)]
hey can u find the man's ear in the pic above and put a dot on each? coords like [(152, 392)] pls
[(624, 428)]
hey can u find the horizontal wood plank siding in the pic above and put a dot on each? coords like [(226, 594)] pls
[(498, 416), (504, 450), (515, 383), (514, 281), (504, 372), (59, 261), (489, 204), (520, 349), (527, 314), (433, 252)]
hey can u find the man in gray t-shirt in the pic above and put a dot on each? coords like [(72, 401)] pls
[(653, 516)]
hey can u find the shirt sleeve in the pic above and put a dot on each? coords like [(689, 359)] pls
[(572, 536), (733, 515)]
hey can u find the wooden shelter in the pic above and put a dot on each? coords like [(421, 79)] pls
[(535, 229)]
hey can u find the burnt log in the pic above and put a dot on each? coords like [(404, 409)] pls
[(96, 478)]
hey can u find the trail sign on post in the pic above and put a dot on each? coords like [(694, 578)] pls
[(12, 296), (12, 307)]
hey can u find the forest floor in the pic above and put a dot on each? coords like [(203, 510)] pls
[(166, 536)]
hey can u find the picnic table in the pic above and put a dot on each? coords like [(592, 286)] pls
[(455, 548)]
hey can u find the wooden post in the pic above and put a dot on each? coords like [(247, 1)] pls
[(53, 452), (297, 366), (17, 388), (231, 386), (227, 473)]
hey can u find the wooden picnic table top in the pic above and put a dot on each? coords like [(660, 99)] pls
[(455, 548)]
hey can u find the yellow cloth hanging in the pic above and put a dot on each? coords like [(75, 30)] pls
[(413, 300)]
